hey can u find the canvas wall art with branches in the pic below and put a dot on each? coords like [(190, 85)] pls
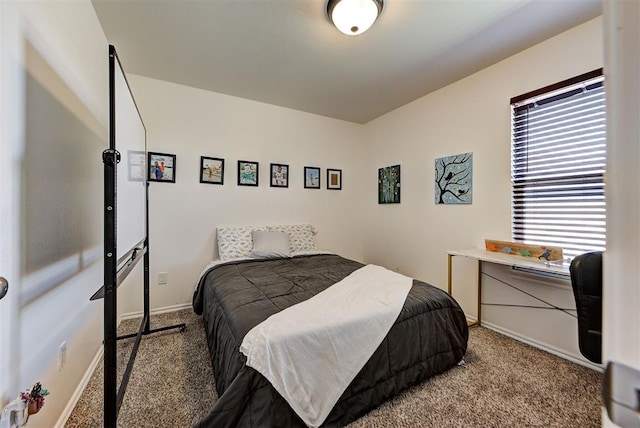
[(453, 181)]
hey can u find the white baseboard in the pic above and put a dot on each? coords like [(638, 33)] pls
[(156, 311), (62, 420), (543, 346)]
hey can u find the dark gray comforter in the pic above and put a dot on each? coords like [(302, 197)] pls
[(429, 337)]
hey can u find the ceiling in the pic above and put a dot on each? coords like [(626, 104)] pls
[(287, 53)]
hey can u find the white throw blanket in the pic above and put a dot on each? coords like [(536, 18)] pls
[(311, 351)]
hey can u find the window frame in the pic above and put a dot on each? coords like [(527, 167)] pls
[(547, 95)]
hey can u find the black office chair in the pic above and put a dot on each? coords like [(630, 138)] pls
[(586, 280)]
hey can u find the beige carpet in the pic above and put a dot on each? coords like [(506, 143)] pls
[(505, 384)]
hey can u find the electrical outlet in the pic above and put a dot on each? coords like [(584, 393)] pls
[(162, 278), (62, 355)]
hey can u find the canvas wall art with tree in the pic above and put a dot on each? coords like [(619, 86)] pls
[(454, 179)]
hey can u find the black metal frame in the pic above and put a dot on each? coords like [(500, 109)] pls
[(113, 276)]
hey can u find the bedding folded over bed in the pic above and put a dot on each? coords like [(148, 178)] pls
[(310, 352), (428, 337)]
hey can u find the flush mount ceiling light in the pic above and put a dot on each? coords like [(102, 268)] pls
[(353, 17)]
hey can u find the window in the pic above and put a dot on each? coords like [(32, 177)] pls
[(558, 154)]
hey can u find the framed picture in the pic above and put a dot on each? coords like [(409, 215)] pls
[(247, 173), (389, 185), (136, 165), (211, 170), (279, 175), (454, 179), (334, 179), (311, 177), (162, 167)]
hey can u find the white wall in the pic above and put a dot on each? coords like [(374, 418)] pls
[(54, 121), (191, 123), (471, 115)]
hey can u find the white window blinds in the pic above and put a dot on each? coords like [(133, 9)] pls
[(558, 157)]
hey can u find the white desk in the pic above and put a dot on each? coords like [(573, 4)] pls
[(530, 306), (504, 259)]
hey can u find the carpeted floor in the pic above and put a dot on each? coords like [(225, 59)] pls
[(505, 384)]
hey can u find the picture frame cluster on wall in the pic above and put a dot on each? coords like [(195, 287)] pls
[(162, 168), (279, 175), (453, 175)]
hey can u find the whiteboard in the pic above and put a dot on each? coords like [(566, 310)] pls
[(131, 186)]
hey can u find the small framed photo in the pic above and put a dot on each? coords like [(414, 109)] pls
[(211, 170), (247, 173), (137, 165), (279, 175), (334, 179), (162, 167), (311, 177)]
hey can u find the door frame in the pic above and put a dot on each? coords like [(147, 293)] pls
[(11, 133)]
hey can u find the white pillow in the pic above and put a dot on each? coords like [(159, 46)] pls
[(235, 242), (270, 244), (301, 236)]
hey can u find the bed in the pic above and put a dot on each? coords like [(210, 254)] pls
[(237, 293)]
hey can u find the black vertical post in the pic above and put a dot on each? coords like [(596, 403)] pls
[(110, 291), (147, 305), (109, 158), (113, 395)]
